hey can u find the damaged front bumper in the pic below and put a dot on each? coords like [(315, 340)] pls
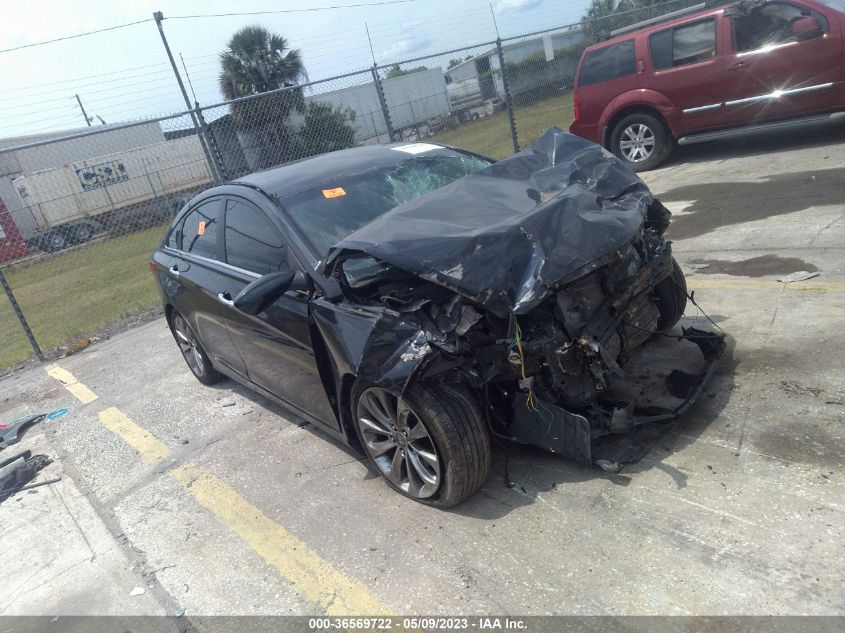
[(570, 434)]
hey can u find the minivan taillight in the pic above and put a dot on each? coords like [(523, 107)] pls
[(575, 105)]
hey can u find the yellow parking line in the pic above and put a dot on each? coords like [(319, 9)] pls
[(76, 388), (151, 449), (311, 576), (750, 284)]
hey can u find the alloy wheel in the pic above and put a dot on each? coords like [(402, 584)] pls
[(637, 142), (399, 443), (188, 345)]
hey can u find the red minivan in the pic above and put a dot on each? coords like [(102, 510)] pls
[(708, 73)]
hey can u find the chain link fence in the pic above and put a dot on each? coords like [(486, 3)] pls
[(81, 211)]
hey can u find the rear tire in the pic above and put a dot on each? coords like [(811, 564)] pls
[(83, 232), (453, 427), (193, 352), (641, 141), (55, 241), (671, 295)]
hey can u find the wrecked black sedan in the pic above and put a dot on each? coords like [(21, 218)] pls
[(414, 299)]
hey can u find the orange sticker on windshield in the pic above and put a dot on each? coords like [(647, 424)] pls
[(201, 228), (333, 193)]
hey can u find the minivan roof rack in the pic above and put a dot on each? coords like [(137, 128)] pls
[(663, 18)]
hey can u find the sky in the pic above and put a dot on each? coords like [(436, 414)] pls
[(124, 74)]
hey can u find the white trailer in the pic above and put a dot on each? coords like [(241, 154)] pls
[(70, 204), (412, 99)]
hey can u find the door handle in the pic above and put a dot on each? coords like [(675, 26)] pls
[(174, 269), (226, 299), (739, 65)]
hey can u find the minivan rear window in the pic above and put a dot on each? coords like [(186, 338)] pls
[(610, 62)]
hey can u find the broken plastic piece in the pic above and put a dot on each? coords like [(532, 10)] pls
[(608, 466), (10, 434), (800, 275)]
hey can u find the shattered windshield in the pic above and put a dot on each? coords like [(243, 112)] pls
[(332, 210)]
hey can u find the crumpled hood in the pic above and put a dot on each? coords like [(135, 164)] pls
[(503, 236)]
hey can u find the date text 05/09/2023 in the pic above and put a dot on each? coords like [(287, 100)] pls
[(480, 623)]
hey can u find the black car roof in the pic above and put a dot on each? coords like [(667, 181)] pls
[(290, 178)]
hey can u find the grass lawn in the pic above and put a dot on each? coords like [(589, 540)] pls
[(70, 295), (491, 135)]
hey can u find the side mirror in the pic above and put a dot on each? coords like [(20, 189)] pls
[(265, 291)]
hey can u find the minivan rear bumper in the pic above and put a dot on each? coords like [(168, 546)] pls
[(589, 131)]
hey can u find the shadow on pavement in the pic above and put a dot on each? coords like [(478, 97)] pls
[(760, 144), (718, 204)]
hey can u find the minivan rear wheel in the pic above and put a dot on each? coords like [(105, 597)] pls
[(641, 141)]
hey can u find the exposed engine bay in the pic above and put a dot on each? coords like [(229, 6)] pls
[(524, 304)]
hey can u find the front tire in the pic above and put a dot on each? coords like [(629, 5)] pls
[(671, 295), (641, 141), (193, 352), (431, 445)]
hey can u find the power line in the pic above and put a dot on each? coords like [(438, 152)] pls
[(70, 37), (97, 76), (341, 6)]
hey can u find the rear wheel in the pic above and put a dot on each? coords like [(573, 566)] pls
[(641, 141), (55, 241), (430, 445), (83, 232), (671, 295), (193, 353)]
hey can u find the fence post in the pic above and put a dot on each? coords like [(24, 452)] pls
[(208, 157), (21, 317), (508, 101), (384, 109), (216, 156)]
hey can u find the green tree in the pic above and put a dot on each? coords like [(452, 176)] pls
[(257, 61), (326, 128)]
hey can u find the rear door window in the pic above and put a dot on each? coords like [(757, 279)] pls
[(683, 45), (610, 62), (251, 241), (198, 234)]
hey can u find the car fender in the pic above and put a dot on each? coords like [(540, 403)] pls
[(645, 98)]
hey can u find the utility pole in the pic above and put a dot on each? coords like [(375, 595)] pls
[(495, 25), (370, 40), (81, 107), (159, 17)]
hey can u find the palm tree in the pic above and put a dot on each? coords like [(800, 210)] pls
[(257, 61)]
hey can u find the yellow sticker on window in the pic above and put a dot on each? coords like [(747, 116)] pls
[(201, 228), (337, 192)]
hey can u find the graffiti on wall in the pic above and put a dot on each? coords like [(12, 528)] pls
[(101, 174)]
